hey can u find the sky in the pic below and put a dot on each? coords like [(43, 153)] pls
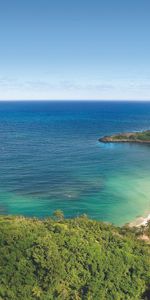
[(81, 49)]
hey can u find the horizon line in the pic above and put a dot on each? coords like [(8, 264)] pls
[(76, 100)]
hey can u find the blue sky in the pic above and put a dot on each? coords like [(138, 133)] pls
[(81, 49)]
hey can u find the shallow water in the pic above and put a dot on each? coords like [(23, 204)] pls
[(51, 159)]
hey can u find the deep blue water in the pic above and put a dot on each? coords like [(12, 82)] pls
[(50, 158)]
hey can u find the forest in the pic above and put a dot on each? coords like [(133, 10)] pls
[(78, 258)]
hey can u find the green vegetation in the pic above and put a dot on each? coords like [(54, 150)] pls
[(136, 136), (71, 259)]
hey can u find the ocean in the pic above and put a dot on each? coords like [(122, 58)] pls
[(50, 159)]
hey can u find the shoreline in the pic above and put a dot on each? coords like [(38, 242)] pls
[(140, 221), (128, 137)]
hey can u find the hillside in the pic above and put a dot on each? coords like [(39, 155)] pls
[(58, 258)]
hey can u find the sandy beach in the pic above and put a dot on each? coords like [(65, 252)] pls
[(140, 221)]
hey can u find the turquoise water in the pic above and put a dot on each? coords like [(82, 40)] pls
[(50, 158)]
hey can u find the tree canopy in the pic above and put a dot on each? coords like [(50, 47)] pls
[(71, 259)]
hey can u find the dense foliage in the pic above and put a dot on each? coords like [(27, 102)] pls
[(71, 259)]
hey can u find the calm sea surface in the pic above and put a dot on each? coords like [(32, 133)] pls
[(50, 158)]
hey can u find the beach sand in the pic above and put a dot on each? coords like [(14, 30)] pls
[(140, 221)]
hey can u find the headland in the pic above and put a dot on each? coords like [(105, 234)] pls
[(129, 137)]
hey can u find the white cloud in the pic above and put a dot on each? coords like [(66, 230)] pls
[(16, 89)]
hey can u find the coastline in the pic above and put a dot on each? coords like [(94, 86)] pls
[(140, 221), (140, 137), (128, 137)]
